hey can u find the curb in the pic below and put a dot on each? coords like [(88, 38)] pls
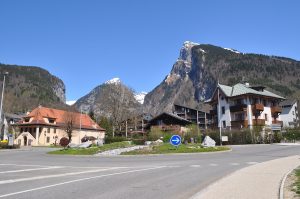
[(281, 189)]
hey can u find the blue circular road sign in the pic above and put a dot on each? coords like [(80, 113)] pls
[(175, 140)]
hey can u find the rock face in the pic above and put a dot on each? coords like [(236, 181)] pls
[(109, 99), (195, 74), (26, 87)]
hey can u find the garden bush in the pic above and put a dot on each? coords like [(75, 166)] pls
[(109, 140)]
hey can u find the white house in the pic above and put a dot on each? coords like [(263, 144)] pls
[(289, 114), (245, 106)]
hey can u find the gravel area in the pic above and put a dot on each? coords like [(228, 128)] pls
[(119, 151), (288, 192)]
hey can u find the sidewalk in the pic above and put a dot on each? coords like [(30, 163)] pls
[(261, 181)]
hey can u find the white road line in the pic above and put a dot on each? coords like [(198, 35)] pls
[(252, 163), (53, 176), (195, 166), (24, 170), (234, 164), (78, 180), (213, 165), (24, 165)]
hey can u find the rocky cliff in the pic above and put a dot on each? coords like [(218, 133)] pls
[(195, 74)]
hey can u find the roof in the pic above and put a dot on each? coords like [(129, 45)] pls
[(39, 113), (180, 119), (288, 102), (242, 89)]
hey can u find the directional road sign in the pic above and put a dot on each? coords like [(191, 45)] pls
[(175, 140)]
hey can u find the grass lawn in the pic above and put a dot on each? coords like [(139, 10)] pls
[(297, 183), (168, 148), (92, 150)]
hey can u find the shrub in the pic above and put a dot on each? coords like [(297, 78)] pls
[(167, 137), (155, 134), (291, 135), (138, 141), (64, 142), (109, 140)]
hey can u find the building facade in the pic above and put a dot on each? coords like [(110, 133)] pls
[(200, 117), (245, 106), (289, 114), (45, 126)]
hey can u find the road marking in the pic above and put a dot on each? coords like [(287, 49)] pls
[(23, 170), (195, 166), (78, 180), (25, 165), (213, 165), (234, 164), (54, 176), (252, 163)]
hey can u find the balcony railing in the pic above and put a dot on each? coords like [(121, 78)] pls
[(168, 127), (238, 107), (258, 122), (277, 122), (239, 124), (258, 107), (276, 110)]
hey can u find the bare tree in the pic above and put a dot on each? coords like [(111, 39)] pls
[(69, 123), (120, 105)]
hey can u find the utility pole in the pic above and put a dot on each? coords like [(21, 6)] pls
[(1, 119), (219, 115)]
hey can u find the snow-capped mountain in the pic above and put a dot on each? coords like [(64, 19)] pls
[(70, 102), (115, 80), (140, 97)]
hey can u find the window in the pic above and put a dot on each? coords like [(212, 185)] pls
[(54, 131), (223, 110), (224, 124), (26, 119), (48, 131), (48, 139), (51, 121), (266, 117), (293, 112)]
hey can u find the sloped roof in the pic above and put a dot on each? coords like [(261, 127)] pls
[(288, 102), (39, 113), (180, 119), (242, 89)]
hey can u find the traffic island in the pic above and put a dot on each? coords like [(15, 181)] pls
[(167, 148)]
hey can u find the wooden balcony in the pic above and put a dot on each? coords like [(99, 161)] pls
[(239, 124), (277, 122), (238, 107), (175, 128), (276, 110), (258, 122), (258, 107)]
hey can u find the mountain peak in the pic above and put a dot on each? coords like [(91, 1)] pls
[(114, 81)]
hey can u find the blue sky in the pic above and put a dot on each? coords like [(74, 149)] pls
[(86, 42)]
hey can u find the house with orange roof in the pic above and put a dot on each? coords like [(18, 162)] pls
[(45, 126)]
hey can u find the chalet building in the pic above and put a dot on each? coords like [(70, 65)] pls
[(44, 126), (200, 117), (169, 122), (245, 106), (289, 114)]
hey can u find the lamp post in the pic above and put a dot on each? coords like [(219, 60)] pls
[(1, 122)]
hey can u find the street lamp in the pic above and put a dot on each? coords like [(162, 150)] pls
[(1, 122)]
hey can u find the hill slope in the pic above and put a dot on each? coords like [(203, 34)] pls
[(195, 74), (26, 87)]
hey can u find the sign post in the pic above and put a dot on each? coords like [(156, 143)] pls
[(10, 140), (175, 140)]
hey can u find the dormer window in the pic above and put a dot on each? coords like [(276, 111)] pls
[(51, 121), (26, 119)]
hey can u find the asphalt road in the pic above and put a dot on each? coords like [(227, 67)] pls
[(33, 174)]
